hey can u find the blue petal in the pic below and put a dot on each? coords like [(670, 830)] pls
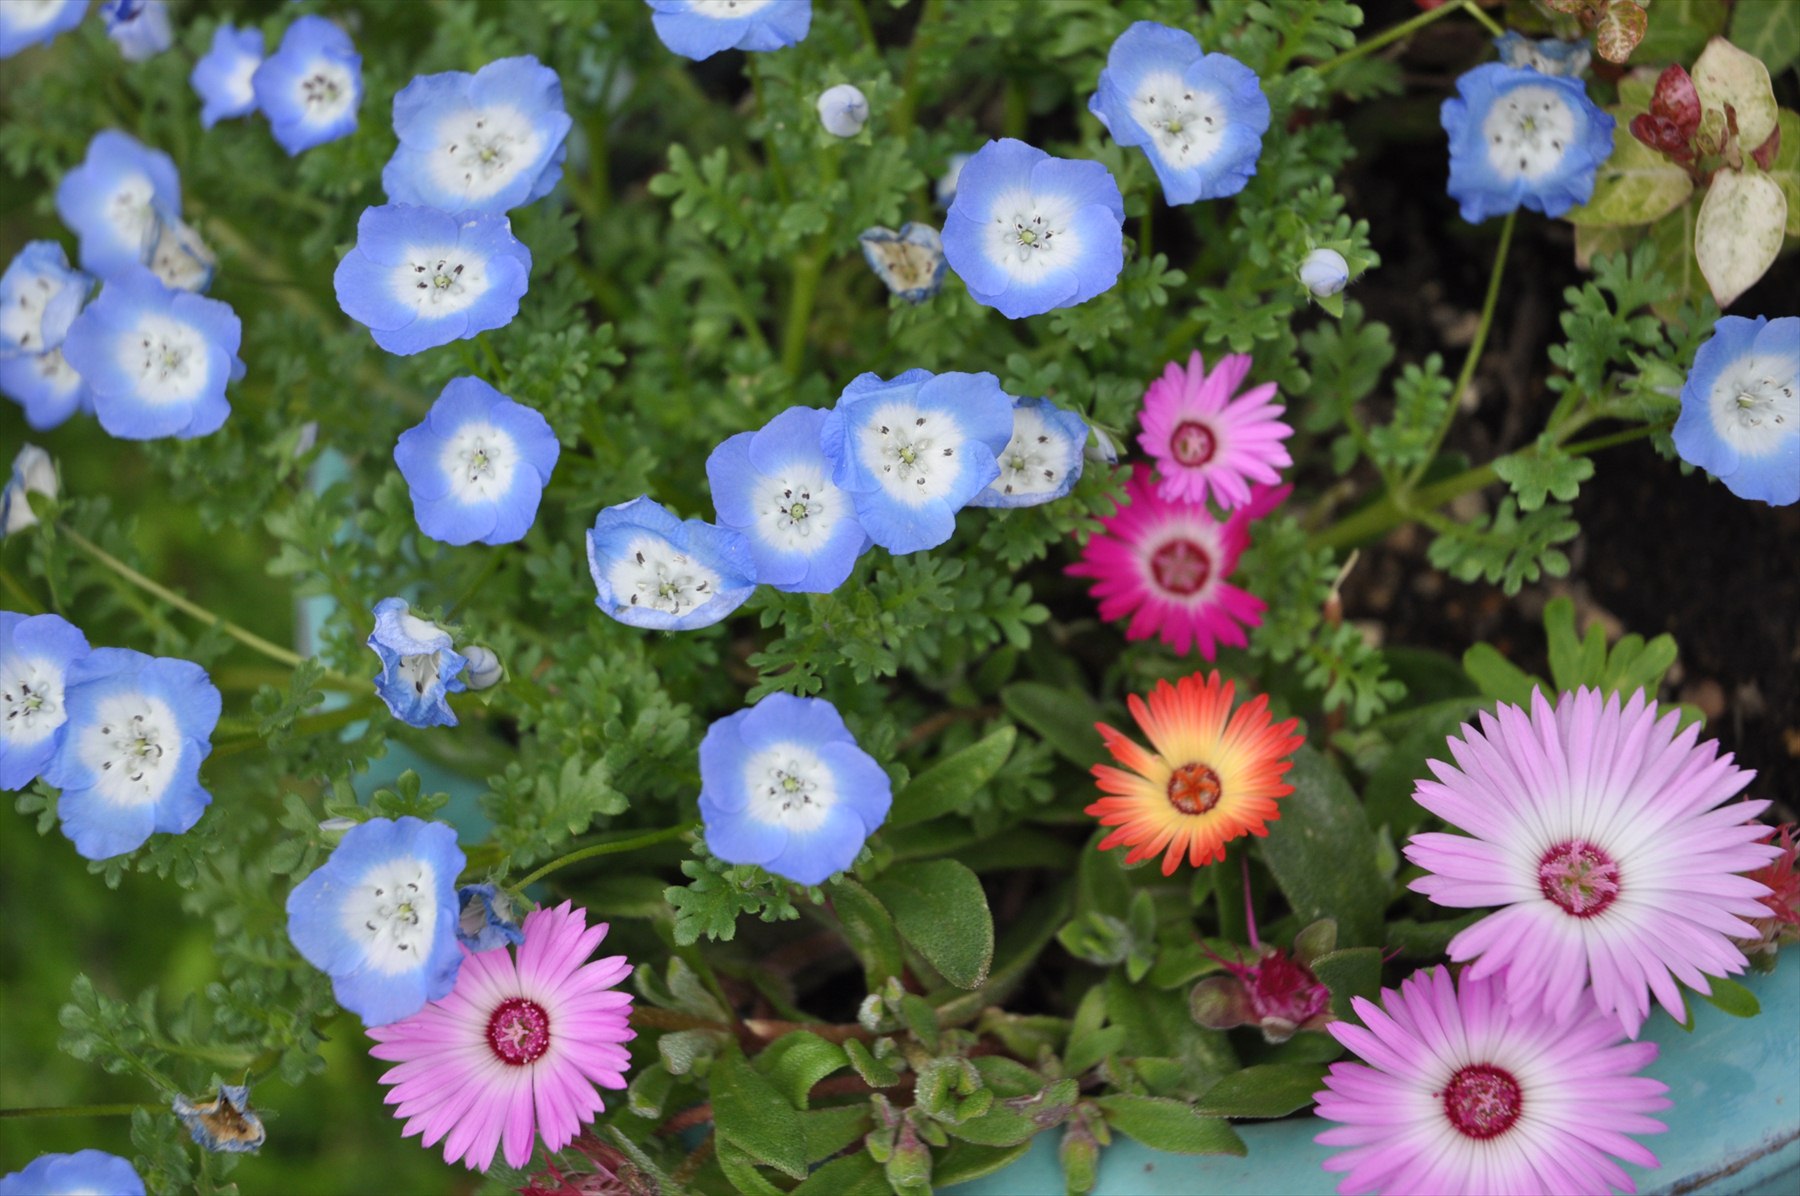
[(813, 857), (862, 785), (737, 838), (784, 718), (722, 756)]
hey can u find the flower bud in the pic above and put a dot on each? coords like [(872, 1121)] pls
[(484, 668), (843, 110), (32, 473), (1324, 272)]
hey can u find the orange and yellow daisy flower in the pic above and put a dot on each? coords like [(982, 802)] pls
[(1214, 775)]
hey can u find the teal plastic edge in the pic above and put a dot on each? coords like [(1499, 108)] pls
[(1734, 1127)]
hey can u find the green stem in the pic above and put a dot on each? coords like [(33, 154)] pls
[(861, 12), (27, 604), (125, 1110), (599, 849), (770, 152), (499, 371), (1389, 36), (808, 269), (311, 724), (1473, 357), (1146, 226), (1228, 893), (1492, 26), (905, 110)]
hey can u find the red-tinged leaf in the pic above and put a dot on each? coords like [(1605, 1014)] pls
[(1676, 100), (1620, 30), (1661, 134), (1766, 153)]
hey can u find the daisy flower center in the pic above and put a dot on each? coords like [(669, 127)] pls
[(1482, 1101), (1181, 567), (1193, 443), (1579, 877), (518, 1032), (133, 748), (1194, 789), (1186, 124), (1526, 132)]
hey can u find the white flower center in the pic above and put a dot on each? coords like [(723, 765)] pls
[(129, 209), (1527, 132), (22, 320), (652, 574), (1755, 403), (479, 459), (789, 786), (1029, 236), (724, 10), (912, 453), (797, 510), (27, 15), (181, 260), (392, 912), (326, 92), (1185, 124), (237, 86), (440, 282), (1032, 461), (420, 670), (167, 357), (132, 746), (31, 699), (56, 372), (482, 150)]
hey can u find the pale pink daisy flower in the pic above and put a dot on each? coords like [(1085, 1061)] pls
[(516, 1048), (1605, 834), (1164, 564), (1204, 438), (1462, 1092)]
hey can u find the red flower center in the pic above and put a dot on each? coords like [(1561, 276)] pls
[(1579, 877), (1193, 443), (1194, 789), (519, 1031), (1482, 1101), (1181, 567)]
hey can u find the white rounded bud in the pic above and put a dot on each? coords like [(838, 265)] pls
[(1324, 272), (843, 110), (484, 667)]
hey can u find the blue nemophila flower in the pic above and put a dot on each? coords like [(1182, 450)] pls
[(46, 386), (487, 920), (1029, 233), (914, 449), (226, 1123), (1199, 117), (1042, 461), (140, 28), (32, 22), (910, 262), (774, 486), (701, 28), (379, 917), (477, 465), (80, 1174), (1518, 137), (652, 570), (181, 259), (311, 86), (33, 472), (1324, 272), (36, 652), (784, 786), (1551, 55), (487, 142), (39, 298), (129, 760), (843, 110), (116, 200), (1740, 408), (420, 668), (419, 278), (157, 360), (222, 76)]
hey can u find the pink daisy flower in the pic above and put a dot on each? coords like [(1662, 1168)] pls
[(1204, 438), (1461, 1092), (516, 1048), (1604, 833), (1164, 564)]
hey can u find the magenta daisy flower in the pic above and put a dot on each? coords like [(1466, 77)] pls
[(1205, 438), (1164, 564), (1462, 1092), (516, 1048), (1605, 834)]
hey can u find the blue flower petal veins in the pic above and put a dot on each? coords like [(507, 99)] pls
[(221, 78), (487, 920), (487, 142), (1200, 118), (311, 87), (115, 200), (654, 571), (1740, 408), (419, 278), (420, 666), (129, 760), (23, 25), (477, 466), (36, 653), (40, 297), (380, 917), (1041, 461), (784, 785), (157, 360), (910, 263), (1029, 233), (140, 28), (915, 449), (1519, 138), (698, 29), (85, 1171)]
